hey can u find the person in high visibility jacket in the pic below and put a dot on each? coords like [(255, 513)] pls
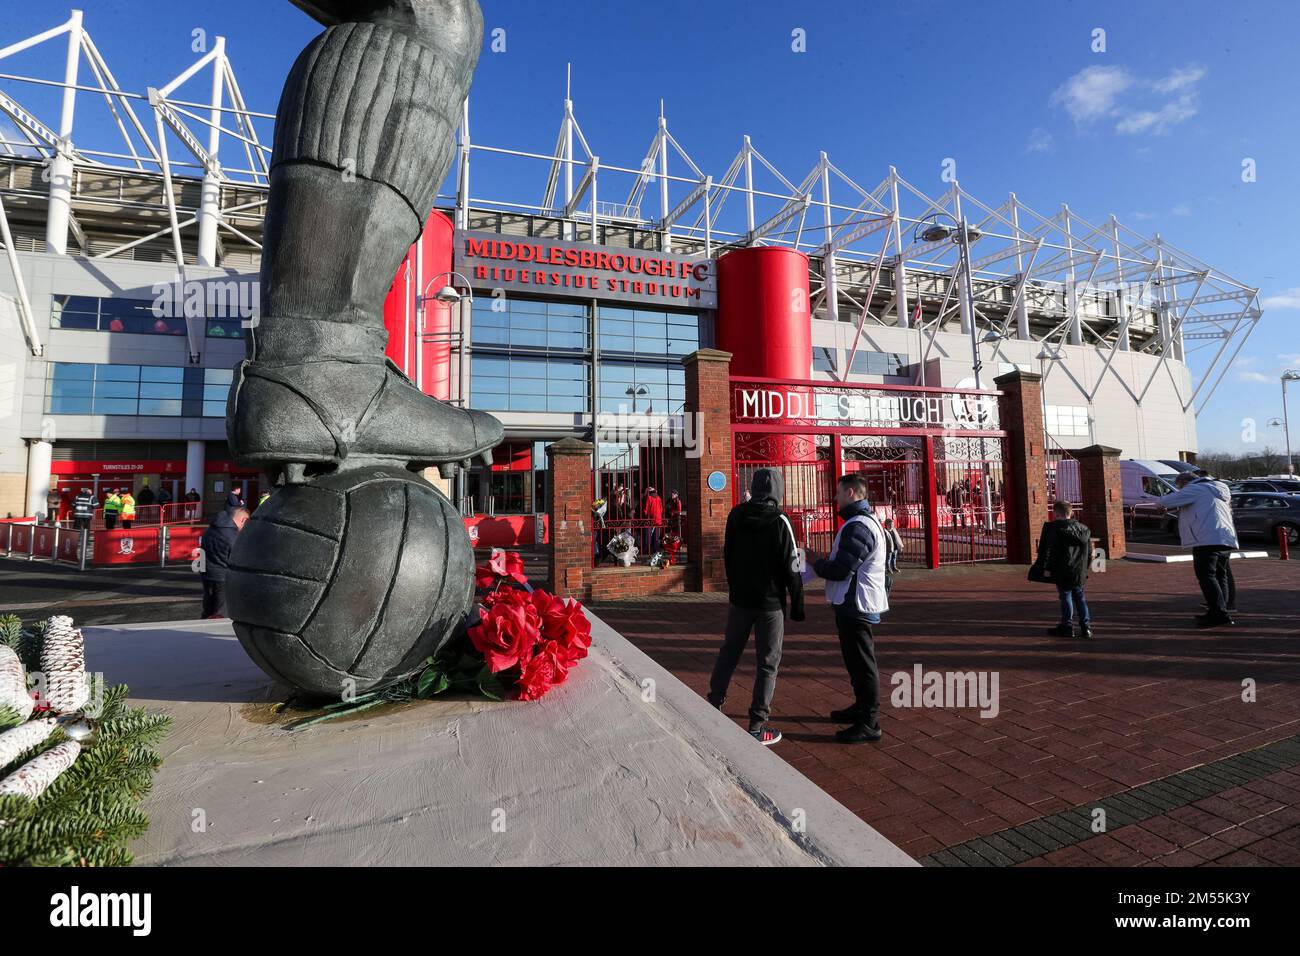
[(112, 508), (128, 507), (83, 509)]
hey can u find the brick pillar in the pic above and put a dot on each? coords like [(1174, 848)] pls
[(1024, 469), (708, 395), (570, 518), (1103, 497)]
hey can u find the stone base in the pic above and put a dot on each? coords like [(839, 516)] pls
[(621, 765)]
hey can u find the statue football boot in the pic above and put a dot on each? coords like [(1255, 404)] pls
[(363, 138)]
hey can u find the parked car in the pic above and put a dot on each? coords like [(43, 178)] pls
[(1290, 486), (1179, 465), (1143, 483), (1263, 514)]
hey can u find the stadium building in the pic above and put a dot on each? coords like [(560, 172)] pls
[(548, 288)]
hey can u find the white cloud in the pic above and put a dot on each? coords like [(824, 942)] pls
[(1091, 93), (1179, 78), (1286, 299), (1157, 121), (1040, 141), (1182, 209), (1100, 92), (1254, 377)]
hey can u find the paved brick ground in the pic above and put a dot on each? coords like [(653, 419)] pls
[(1078, 723)]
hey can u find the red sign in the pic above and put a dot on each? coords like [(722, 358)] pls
[(127, 547), (613, 273), (182, 543), (116, 467)]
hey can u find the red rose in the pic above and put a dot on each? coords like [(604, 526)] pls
[(507, 564), (565, 623), (544, 671), (505, 635)]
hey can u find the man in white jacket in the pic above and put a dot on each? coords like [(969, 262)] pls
[(1205, 525)]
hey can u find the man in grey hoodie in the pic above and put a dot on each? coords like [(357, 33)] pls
[(1205, 525), (763, 576)]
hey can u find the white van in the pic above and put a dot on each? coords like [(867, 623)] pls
[(1143, 482)]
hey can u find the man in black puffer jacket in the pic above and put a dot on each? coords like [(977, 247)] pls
[(762, 575), (214, 560), (1065, 550)]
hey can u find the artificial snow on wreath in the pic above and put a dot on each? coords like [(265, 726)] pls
[(70, 785)]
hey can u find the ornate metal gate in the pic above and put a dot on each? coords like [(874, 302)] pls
[(942, 486)]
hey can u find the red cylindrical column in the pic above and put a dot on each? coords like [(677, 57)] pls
[(763, 318), (763, 321), (436, 245)]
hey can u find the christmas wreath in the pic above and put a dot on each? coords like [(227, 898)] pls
[(75, 760)]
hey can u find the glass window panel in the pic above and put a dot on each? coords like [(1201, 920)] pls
[(568, 404), (578, 309), (160, 406), (530, 386), (69, 405), (211, 393), (117, 373), (526, 305), (527, 403), (218, 376), (73, 320), (527, 368), (114, 406), (71, 389), (491, 383), (489, 335), (162, 373), (117, 389), (161, 390), (214, 409), (576, 371), (566, 340), (525, 320), (823, 358), (490, 401), (527, 338), (484, 365), (617, 343), (70, 371), (613, 312), (494, 320), (616, 328)]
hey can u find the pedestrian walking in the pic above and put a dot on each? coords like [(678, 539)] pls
[(1205, 525), (128, 507), (215, 547), (675, 510), (193, 501), (763, 578), (83, 509), (1064, 551), (855, 588), (894, 544), (957, 502), (112, 508)]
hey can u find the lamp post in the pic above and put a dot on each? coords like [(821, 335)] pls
[(1290, 375), (449, 295), (962, 235)]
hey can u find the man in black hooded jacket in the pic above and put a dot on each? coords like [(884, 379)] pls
[(762, 575), (216, 545), (1065, 551)]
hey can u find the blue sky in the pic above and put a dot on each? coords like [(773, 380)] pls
[(1154, 129)]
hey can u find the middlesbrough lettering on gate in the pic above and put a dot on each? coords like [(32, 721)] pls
[(862, 407), (568, 268)]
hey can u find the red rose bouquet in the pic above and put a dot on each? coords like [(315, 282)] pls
[(525, 639)]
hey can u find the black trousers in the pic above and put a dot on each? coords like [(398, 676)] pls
[(110, 520), (1211, 565), (82, 523), (857, 645), (769, 633), (214, 598)]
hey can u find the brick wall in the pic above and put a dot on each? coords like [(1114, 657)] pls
[(1103, 497), (570, 518), (708, 393), (612, 583), (1020, 408)]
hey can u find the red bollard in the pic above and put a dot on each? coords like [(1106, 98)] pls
[(1282, 544)]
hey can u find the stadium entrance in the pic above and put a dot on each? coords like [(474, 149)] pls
[(932, 457)]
